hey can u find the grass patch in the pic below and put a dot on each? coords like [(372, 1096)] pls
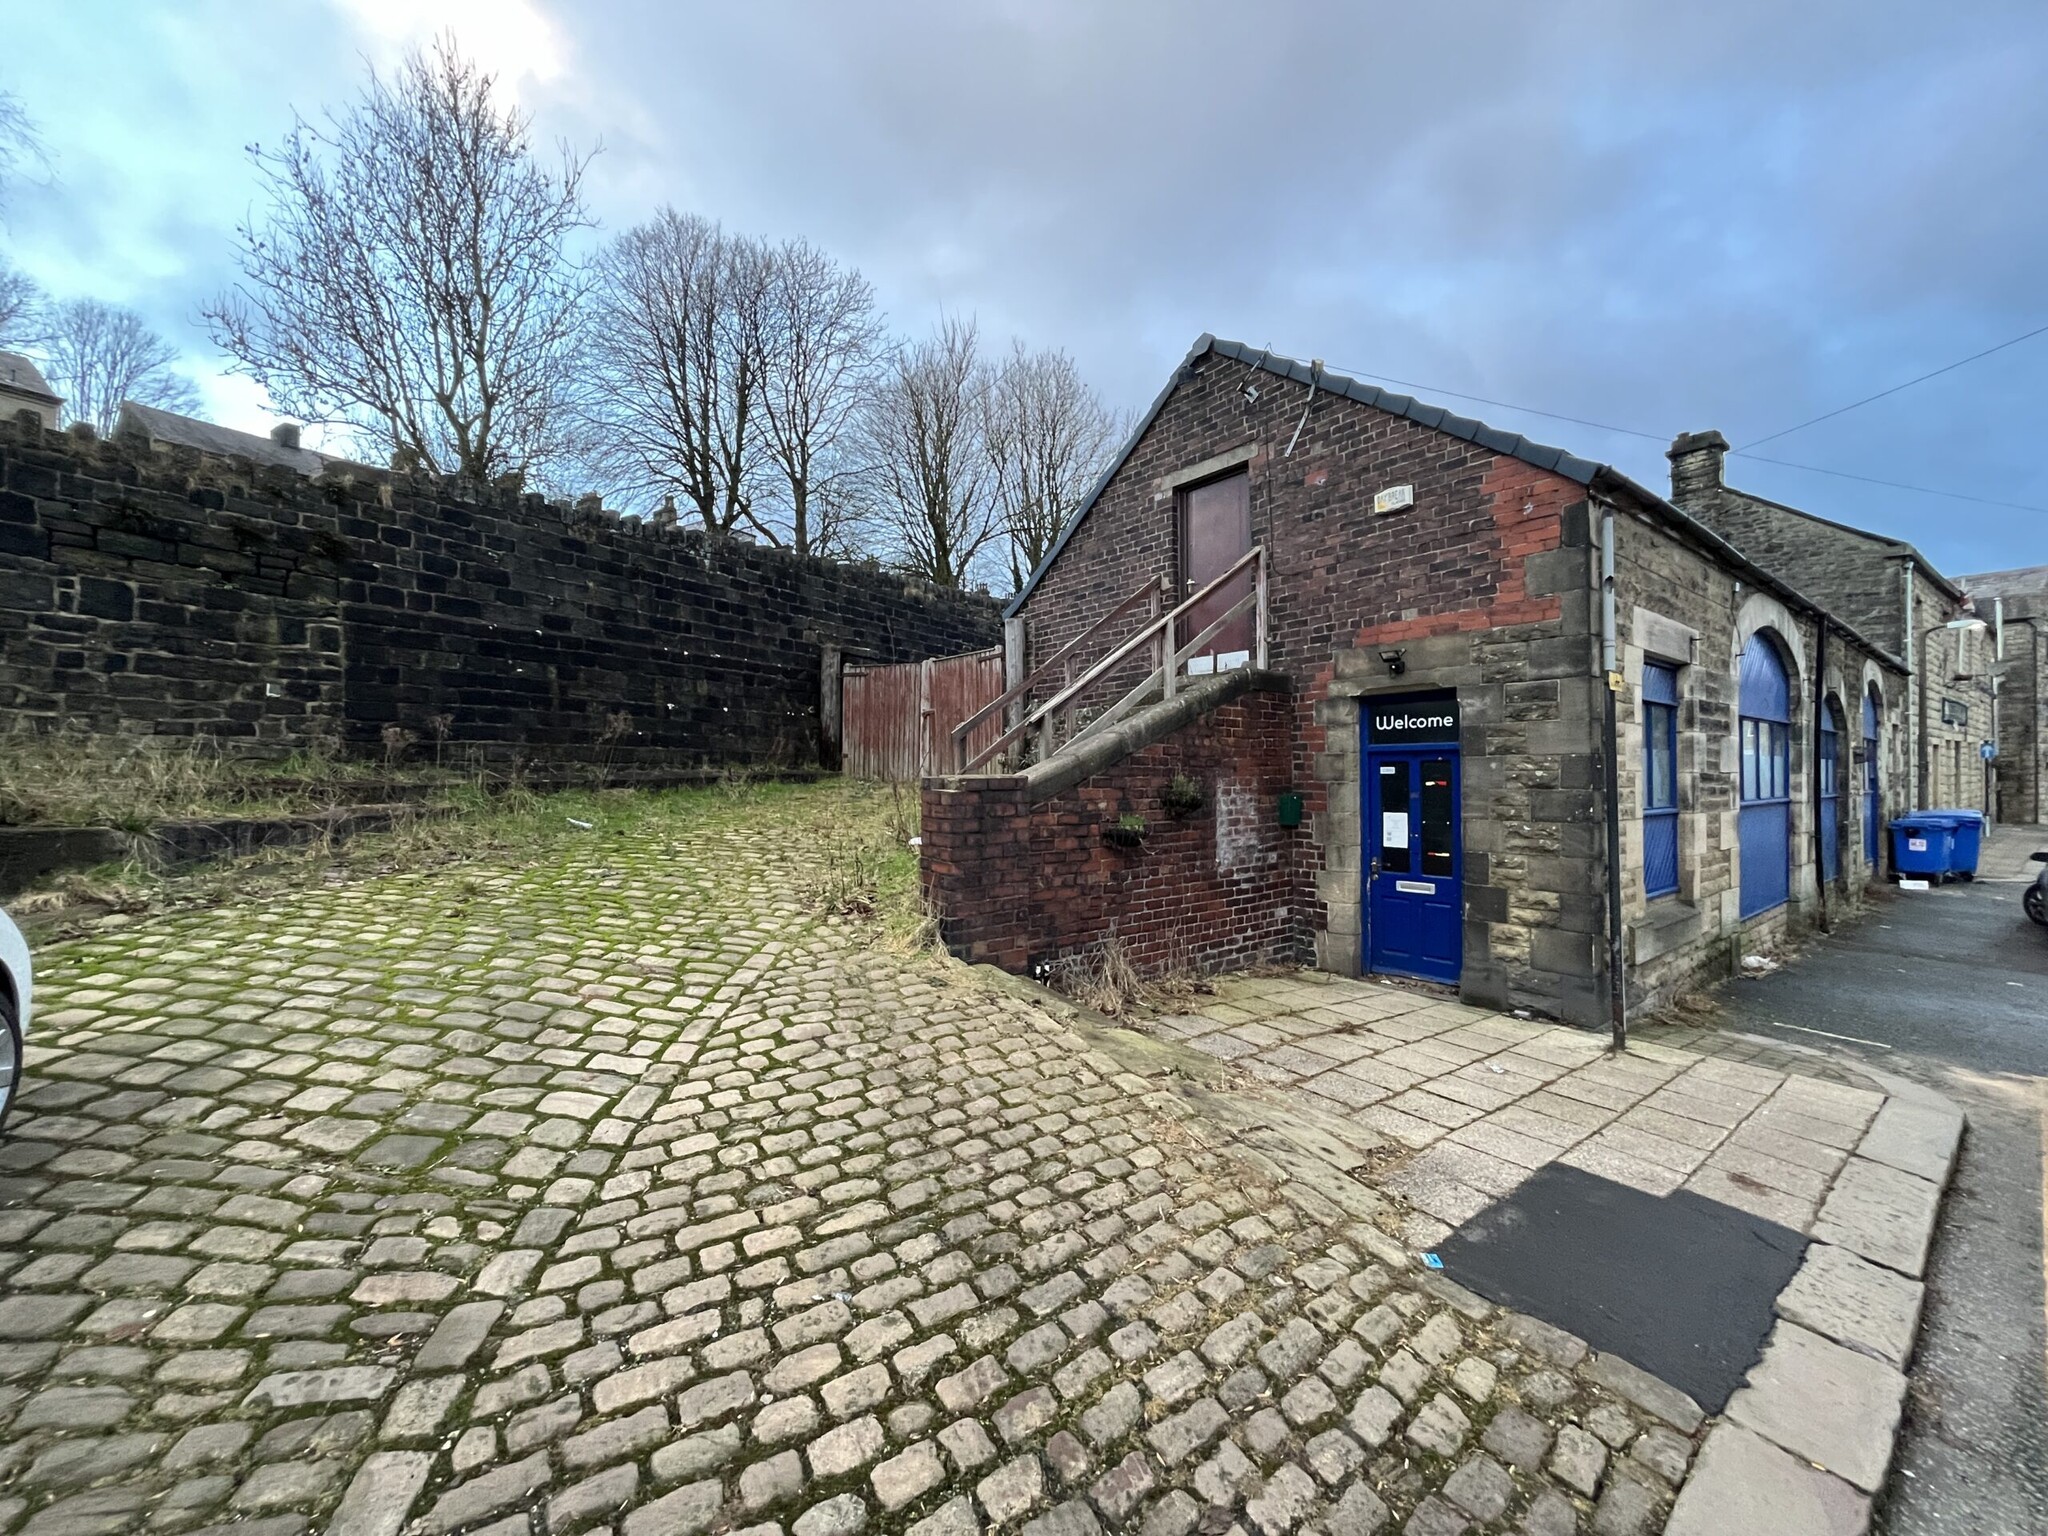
[(845, 844), (94, 781)]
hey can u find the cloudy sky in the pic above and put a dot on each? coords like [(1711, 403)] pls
[(1735, 216)]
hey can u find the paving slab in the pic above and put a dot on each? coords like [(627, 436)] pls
[(1834, 1406), (1741, 1483), (1856, 1303)]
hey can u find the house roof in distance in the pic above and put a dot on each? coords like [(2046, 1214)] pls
[(161, 426), (19, 376), (2026, 581)]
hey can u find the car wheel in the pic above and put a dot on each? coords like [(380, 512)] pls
[(10, 1056), (2036, 903)]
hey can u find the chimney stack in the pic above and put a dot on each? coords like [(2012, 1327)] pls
[(1696, 466), (285, 434)]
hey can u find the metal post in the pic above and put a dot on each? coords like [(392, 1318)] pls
[(1261, 631), (1610, 685)]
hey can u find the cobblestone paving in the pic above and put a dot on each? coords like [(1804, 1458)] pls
[(624, 1195)]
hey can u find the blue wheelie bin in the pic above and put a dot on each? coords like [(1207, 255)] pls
[(1921, 846), (1967, 840)]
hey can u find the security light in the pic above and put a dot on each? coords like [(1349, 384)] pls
[(1395, 664)]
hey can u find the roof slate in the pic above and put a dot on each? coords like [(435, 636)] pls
[(20, 376), (161, 426)]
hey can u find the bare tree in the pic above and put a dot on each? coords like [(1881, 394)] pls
[(822, 343), (20, 304), (410, 280), (20, 144), (676, 333), (923, 425), (20, 299), (1049, 437), (98, 355)]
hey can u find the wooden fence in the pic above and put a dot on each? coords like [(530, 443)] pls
[(897, 721)]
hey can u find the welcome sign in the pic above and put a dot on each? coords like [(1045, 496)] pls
[(1412, 720)]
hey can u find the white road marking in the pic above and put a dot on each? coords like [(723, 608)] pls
[(1852, 1039)]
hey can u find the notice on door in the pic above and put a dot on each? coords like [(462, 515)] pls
[(1393, 829)]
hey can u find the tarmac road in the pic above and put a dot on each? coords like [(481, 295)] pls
[(1955, 982)]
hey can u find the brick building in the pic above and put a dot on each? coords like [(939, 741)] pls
[(1391, 743), (1890, 592), (2016, 603)]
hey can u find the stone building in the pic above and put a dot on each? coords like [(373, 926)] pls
[(164, 430), (1889, 591), (1442, 703), (24, 389), (2016, 603)]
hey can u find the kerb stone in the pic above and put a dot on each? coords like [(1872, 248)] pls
[(1742, 1482), (1837, 1408), (1883, 1214), (1853, 1302)]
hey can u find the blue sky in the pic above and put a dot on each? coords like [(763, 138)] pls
[(1736, 216)]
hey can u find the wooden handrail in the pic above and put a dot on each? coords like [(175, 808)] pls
[(1148, 588), (1164, 624), (1129, 701)]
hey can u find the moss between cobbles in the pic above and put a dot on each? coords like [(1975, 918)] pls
[(642, 1043)]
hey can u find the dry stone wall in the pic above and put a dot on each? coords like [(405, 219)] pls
[(162, 594)]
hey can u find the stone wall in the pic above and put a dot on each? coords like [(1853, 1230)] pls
[(1679, 605), (531, 627), (2022, 725), (145, 596), (1023, 885), (159, 593)]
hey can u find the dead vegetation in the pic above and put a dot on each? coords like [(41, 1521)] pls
[(70, 779)]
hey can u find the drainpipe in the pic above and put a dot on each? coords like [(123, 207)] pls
[(1916, 713), (1997, 682), (1611, 681), (1820, 704)]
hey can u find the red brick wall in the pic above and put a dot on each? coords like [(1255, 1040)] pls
[(1455, 561), (1019, 885), (1485, 584)]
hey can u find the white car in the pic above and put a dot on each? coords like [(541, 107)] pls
[(16, 981)]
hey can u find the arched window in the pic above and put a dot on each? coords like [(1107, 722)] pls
[(1830, 768), (1764, 822), (1872, 805)]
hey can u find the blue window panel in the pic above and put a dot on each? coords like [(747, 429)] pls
[(1872, 806), (1764, 821), (1660, 780), (1766, 690), (1830, 768)]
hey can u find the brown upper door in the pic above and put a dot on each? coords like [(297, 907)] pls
[(1216, 530)]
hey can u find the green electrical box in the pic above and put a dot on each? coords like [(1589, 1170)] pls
[(1290, 810)]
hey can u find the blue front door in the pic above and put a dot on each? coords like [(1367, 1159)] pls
[(1414, 898)]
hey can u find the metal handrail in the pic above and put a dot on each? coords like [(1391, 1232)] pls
[(1149, 588), (1159, 630)]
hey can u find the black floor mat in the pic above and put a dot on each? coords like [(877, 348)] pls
[(1681, 1286)]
